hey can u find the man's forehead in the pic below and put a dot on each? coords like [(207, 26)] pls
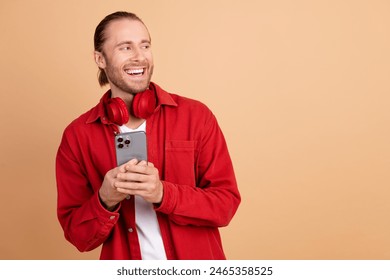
[(126, 29)]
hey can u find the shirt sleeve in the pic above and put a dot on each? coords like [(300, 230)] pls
[(214, 199), (86, 223)]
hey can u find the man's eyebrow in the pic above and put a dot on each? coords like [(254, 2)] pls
[(146, 41), (124, 43), (132, 43)]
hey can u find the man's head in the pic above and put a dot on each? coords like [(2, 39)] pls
[(123, 52)]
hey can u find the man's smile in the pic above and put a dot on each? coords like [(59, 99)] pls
[(135, 72)]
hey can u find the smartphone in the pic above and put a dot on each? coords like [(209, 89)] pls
[(130, 145)]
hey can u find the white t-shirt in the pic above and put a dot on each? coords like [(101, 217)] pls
[(148, 229)]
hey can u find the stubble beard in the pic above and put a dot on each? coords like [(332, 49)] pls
[(115, 77)]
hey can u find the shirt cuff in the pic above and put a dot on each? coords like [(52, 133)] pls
[(104, 214), (169, 199)]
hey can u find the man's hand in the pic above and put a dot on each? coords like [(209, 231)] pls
[(131, 178), (140, 179), (108, 193)]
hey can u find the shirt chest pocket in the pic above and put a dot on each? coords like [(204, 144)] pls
[(180, 162)]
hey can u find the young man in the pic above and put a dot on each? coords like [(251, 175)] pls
[(169, 207)]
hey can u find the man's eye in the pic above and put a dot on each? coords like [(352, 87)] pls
[(125, 48)]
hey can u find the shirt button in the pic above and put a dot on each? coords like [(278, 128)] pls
[(128, 197), (112, 217), (130, 229)]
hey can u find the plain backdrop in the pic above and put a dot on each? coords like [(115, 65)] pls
[(300, 88)]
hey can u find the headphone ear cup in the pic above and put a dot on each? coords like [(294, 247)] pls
[(117, 111), (144, 104)]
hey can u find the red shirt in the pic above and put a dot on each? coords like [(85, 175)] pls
[(186, 145)]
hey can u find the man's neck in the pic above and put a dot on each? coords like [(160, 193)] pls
[(125, 96)]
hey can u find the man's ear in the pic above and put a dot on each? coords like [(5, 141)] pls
[(99, 59)]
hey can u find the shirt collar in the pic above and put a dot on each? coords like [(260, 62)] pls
[(98, 112)]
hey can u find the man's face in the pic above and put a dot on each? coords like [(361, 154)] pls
[(127, 57)]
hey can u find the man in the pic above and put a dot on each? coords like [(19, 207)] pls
[(169, 207)]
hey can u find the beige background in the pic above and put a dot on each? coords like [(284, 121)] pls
[(300, 88)]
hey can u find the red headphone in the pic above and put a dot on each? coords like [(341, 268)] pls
[(143, 106)]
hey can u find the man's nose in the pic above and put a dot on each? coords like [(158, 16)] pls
[(137, 54)]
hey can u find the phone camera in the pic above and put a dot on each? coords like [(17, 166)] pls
[(120, 146), (120, 139), (127, 141)]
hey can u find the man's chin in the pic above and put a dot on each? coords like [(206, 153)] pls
[(139, 88), (134, 89)]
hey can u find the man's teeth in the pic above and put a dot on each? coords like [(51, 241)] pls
[(135, 71)]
